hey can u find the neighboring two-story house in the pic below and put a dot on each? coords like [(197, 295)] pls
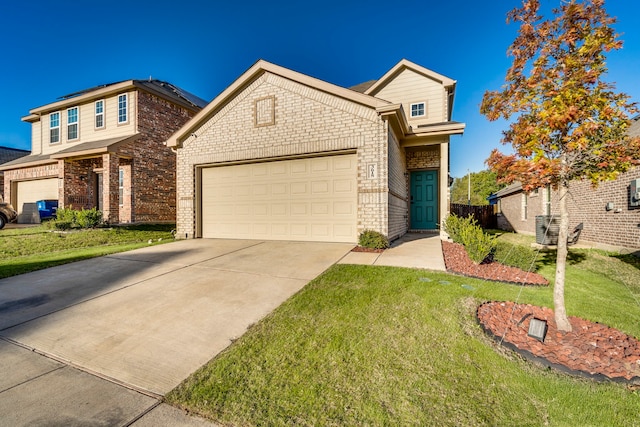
[(282, 155), (104, 148), (8, 154)]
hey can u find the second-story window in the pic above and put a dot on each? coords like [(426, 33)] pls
[(99, 114), (72, 123), (418, 109), (122, 108), (54, 128)]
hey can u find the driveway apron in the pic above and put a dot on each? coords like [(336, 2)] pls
[(148, 318)]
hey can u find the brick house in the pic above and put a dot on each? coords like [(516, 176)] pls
[(6, 155), (606, 212), (104, 147), (281, 155)]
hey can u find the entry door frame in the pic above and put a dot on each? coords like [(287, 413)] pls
[(433, 221)]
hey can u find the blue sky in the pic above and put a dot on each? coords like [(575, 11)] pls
[(52, 49)]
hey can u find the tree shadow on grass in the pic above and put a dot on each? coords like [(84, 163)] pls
[(633, 259), (573, 258)]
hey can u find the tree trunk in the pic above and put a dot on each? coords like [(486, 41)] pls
[(562, 321)]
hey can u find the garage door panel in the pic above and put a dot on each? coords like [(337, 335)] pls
[(29, 192), (320, 187), (302, 199)]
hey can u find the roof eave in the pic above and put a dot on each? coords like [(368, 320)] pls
[(7, 166), (406, 64), (98, 93), (255, 71)]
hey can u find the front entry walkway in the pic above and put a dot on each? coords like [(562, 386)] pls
[(413, 250)]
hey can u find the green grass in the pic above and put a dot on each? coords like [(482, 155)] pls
[(29, 249), (367, 345)]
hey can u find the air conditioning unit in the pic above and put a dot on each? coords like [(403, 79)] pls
[(634, 194)]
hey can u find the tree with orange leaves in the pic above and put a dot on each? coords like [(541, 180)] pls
[(568, 123)]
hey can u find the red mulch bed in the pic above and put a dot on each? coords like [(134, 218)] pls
[(592, 350), (457, 261)]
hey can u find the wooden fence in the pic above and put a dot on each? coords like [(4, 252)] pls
[(485, 215)]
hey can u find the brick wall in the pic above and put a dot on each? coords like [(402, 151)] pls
[(398, 190), (618, 227), (153, 165), (44, 171), (79, 184), (427, 158), (306, 121)]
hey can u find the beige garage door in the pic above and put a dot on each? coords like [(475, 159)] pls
[(312, 199), (29, 192)]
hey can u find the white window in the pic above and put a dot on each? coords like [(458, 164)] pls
[(121, 187), (54, 127), (418, 109), (122, 108), (525, 198), (99, 114), (72, 123), (547, 200)]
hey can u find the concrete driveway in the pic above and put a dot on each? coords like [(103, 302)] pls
[(99, 341)]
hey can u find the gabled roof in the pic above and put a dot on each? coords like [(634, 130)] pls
[(257, 70), (8, 154), (157, 87), (509, 189), (403, 65)]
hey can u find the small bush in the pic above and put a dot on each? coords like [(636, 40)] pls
[(453, 226), (373, 240), (466, 231), (65, 219), (68, 218), (518, 256), (88, 218)]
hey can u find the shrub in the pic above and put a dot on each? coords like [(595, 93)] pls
[(373, 240), (68, 218), (453, 226), (466, 231), (513, 255), (65, 219), (88, 218)]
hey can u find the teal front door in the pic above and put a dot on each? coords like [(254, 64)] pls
[(424, 200)]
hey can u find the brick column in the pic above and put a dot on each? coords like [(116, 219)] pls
[(110, 203)]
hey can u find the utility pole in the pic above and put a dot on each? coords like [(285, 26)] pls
[(469, 193)]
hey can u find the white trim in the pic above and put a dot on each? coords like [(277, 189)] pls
[(96, 114), (54, 127), (121, 186), (126, 109), (76, 123), (424, 109)]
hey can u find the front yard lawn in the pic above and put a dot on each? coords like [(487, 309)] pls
[(368, 345), (29, 249)]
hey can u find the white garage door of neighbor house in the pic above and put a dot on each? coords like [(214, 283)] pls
[(311, 199), (29, 192)]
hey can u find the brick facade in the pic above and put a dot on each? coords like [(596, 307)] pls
[(618, 227), (149, 190), (306, 121), (273, 114)]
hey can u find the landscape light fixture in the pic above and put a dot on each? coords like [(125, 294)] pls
[(538, 329)]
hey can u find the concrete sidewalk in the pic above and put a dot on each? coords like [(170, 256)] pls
[(413, 250)]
